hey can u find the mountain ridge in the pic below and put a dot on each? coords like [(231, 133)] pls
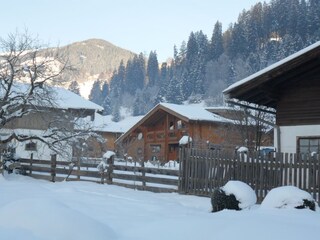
[(94, 59)]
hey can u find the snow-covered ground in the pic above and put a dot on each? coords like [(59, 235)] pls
[(35, 209)]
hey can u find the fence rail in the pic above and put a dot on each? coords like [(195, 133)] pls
[(200, 172), (136, 176), (204, 170)]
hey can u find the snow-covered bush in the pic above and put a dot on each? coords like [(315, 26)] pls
[(235, 195), (220, 200), (103, 165), (289, 197)]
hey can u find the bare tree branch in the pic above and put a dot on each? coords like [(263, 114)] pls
[(28, 72)]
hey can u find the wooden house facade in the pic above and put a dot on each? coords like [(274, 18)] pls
[(67, 108), (292, 88), (156, 136)]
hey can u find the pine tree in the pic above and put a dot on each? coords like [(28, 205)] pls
[(105, 95), (96, 94), (105, 89), (116, 117), (74, 87), (174, 93), (153, 69), (135, 74), (107, 108), (216, 45)]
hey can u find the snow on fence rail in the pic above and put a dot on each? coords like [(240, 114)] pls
[(132, 175), (203, 170)]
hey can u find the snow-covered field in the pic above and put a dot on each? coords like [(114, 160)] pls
[(35, 209)]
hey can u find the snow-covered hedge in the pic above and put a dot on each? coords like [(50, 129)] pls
[(289, 197), (235, 195)]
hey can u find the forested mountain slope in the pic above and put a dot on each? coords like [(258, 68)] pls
[(204, 65)]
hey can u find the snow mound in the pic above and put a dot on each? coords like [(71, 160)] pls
[(44, 218), (286, 197), (243, 193), (108, 154)]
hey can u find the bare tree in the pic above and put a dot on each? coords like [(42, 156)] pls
[(29, 73), (253, 123)]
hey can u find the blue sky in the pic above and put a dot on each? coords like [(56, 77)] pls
[(136, 25)]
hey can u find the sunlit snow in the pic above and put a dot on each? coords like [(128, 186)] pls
[(36, 209)]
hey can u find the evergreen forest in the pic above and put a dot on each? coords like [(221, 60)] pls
[(203, 66)]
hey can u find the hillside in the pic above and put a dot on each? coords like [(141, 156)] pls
[(94, 58)]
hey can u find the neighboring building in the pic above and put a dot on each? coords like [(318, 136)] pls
[(109, 130), (292, 88), (256, 134), (227, 112), (68, 107), (157, 134)]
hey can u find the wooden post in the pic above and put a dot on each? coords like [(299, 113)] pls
[(182, 169), (143, 175), (102, 176), (53, 166), (110, 161), (78, 165), (31, 160), (1, 164)]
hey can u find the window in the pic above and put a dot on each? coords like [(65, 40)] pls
[(31, 146), (155, 148), (171, 126), (180, 124), (150, 136), (160, 135), (308, 145)]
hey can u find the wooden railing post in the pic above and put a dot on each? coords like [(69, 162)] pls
[(143, 175), (1, 164), (79, 167), (110, 161), (31, 160), (53, 167), (182, 169)]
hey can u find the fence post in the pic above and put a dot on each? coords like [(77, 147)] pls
[(143, 175), (78, 166), (182, 169), (1, 164), (110, 161), (53, 166), (102, 176), (31, 160)]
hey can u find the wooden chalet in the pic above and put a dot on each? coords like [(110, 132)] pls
[(156, 136), (291, 87)]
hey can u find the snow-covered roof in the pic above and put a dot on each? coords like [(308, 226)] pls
[(187, 112), (271, 67), (105, 123), (194, 113), (66, 99), (220, 108), (61, 98)]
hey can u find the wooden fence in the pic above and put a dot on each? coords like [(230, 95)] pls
[(203, 170), (200, 172), (133, 176)]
